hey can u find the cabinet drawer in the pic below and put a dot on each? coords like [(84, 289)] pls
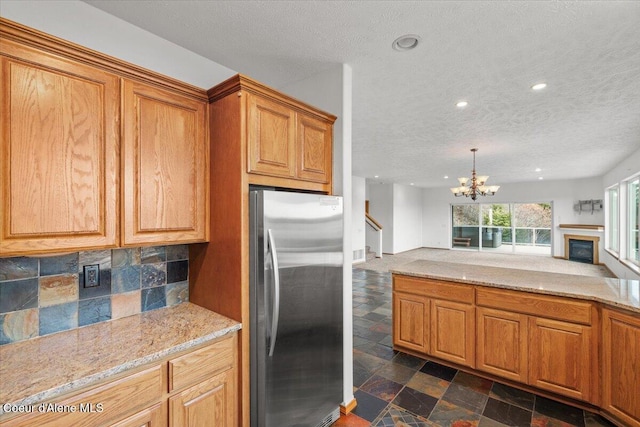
[(433, 288), (538, 305), (200, 364), (102, 405)]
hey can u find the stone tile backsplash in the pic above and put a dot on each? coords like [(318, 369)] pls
[(43, 295)]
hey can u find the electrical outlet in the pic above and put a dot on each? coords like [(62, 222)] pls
[(91, 275)]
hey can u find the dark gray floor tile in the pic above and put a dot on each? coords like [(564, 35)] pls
[(413, 401), (512, 396), (507, 414), (369, 407), (466, 398), (559, 411), (438, 370)]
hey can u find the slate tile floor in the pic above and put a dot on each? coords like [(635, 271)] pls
[(394, 389)]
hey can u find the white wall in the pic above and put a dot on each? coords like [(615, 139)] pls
[(87, 26), (331, 91), (358, 224), (627, 168), (398, 208), (407, 218), (381, 209), (563, 195)]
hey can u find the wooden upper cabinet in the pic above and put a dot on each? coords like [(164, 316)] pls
[(282, 142), (165, 166), (314, 149), (271, 138), (59, 153)]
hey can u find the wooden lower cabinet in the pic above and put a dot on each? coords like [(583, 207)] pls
[(411, 321), (209, 403), (560, 357), (453, 332), (502, 343), (155, 416), (621, 366), (426, 323)]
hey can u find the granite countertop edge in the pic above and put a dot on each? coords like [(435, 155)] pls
[(405, 270), (94, 378)]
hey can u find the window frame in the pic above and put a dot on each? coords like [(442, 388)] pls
[(632, 222), (612, 230)]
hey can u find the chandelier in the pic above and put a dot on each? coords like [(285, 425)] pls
[(476, 185)]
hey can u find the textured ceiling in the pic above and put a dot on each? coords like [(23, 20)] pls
[(406, 127)]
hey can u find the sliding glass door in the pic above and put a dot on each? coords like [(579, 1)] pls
[(503, 227), (532, 226)]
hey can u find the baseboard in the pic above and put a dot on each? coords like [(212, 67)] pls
[(346, 409)]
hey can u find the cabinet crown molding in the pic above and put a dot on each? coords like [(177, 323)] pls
[(11, 30), (241, 82)]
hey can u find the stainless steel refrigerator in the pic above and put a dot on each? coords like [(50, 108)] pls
[(296, 308)]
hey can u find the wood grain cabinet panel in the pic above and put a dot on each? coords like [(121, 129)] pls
[(502, 343), (560, 357), (271, 137), (155, 416), (621, 366), (411, 321), (165, 166), (59, 153), (453, 332), (314, 149), (209, 403)]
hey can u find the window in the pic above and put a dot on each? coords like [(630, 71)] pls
[(633, 220), (503, 227), (613, 227)]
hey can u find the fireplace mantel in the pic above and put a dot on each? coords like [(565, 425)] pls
[(592, 227), (594, 239)]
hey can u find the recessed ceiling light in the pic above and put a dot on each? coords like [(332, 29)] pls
[(412, 183), (538, 169), (406, 42), (446, 177), (538, 86), (376, 176), (462, 104), (540, 178)]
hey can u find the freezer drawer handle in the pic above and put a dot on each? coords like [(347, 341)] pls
[(276, 294)]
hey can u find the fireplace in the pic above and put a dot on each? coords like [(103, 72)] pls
[(581, 251), (581, 248)]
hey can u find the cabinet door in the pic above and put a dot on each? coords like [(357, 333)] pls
[(165, 166), (156, 416), (621, 366), (58, 155), (271, 137), (209, 403), (411, 322), (453, 332), (502, 343), (560, 357), (314, 149)]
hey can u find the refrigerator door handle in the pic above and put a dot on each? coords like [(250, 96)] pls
[(276, 293)]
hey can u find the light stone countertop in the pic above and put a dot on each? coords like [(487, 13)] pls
[(43, 368), (619, 293)]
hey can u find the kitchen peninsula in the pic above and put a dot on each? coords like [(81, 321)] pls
[(565, 336)]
